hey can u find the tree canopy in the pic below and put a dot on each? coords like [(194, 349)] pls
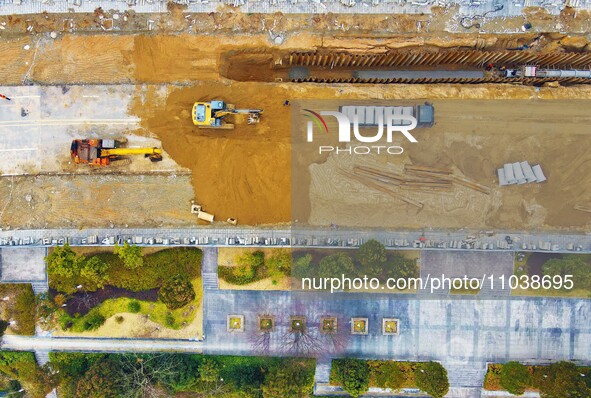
[(131, 255), (336, 264), (293, 380), (514, 377), (563, 380), (176, 292), (577, 265), (431, 377), (353, 374)]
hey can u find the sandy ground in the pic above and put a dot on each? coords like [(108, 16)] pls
[(95, 201), (244, 173), (473, 138)]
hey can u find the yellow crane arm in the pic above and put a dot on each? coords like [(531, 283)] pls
[(131, 151)]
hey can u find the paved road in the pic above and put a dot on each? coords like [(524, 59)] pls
[(470, 7), (39, 123), (38, 343)]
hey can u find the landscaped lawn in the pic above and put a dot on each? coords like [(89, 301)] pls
[(146, 315), (17, 305)]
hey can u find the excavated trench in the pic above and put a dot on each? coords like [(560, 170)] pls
[(402, 66)]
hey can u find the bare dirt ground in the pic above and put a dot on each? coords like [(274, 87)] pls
[(473, 138), (242, 173), (95, 201)]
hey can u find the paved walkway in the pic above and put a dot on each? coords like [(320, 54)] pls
[(209, 268), (45, 344), (465, 333), (229, 236)]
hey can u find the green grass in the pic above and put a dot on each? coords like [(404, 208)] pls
[(155, 309)]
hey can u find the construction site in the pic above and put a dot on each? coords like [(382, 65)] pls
[(501, 95)]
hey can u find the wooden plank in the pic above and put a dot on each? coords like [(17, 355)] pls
[(376, 186)]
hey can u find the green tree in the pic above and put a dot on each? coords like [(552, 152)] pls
[(398, 266), (563, 380), (302, 267), (209, 371), (186, 374), (63, 268), (334, 265), (95, 273), (353, 374), (371, 253), (515, 378), (131, 255), (72, 363), (431, 377), (279, 262), (577, 265), (101, 381), (292, 380), (176, 292)]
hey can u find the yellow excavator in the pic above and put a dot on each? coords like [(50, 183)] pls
[(210, 115), (105, 152)]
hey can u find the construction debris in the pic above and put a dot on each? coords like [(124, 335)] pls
[(520, 173), (378, 187)]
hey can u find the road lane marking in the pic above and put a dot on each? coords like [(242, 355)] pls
[(18, 149)]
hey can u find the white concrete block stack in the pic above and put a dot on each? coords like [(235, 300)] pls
[(520, 173)]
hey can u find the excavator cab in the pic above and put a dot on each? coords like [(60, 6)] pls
[(212, 114)]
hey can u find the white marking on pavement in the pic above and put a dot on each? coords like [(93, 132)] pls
[(40, 122), (18, 149)]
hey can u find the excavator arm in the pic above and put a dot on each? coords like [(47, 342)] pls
[(155, 154)]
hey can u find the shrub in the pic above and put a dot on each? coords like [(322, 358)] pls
[(65, 321), (431, 377), (156, 269), (303, 267), (336, 264), (279, 262), (176, 292), (93, 321), (60, 299), (388, 374), (134, 306), (353, 375), (562, 380), (291, 380), (514, 377), (119, 319), (209, 371), (169, 320), (248, 269)]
